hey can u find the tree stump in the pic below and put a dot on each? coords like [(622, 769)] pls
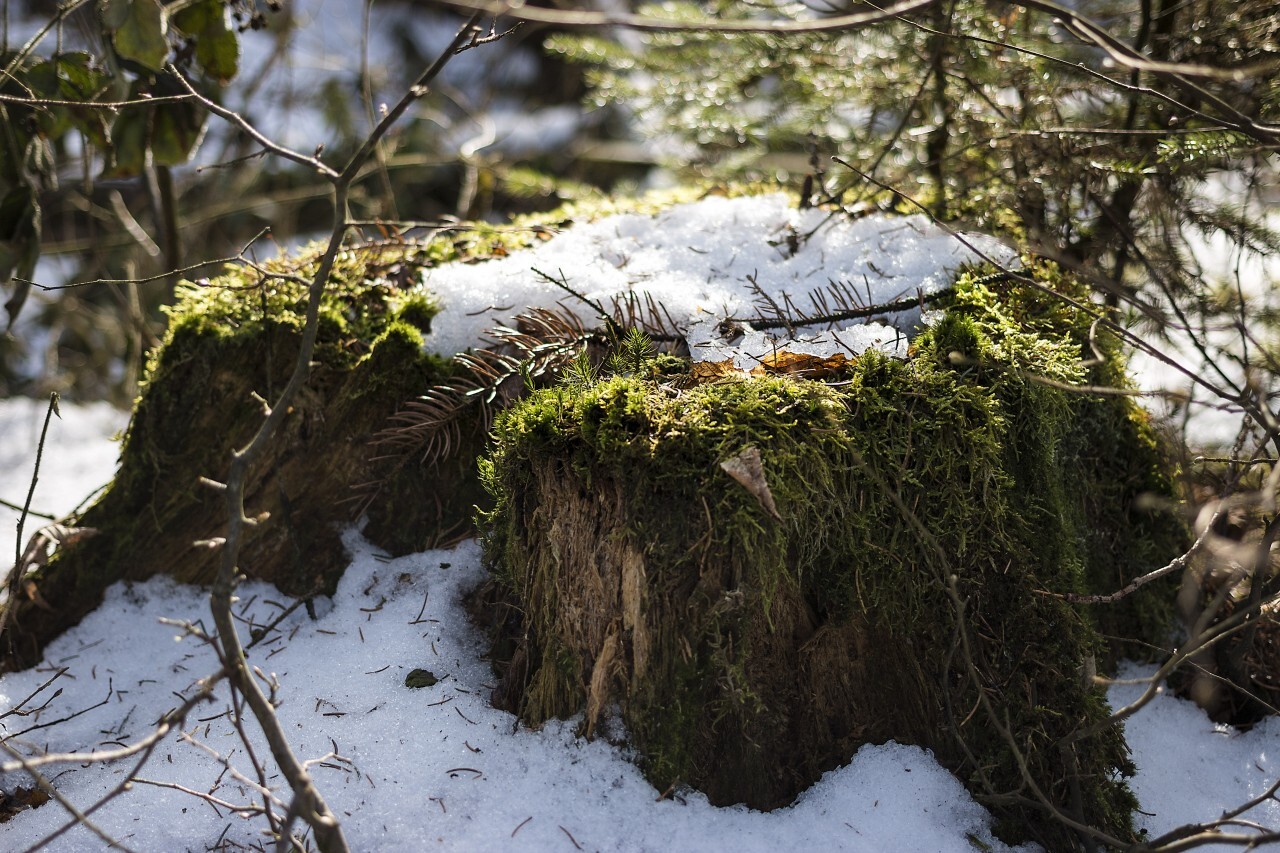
[(237, 335), (231, 338), (761, 573)]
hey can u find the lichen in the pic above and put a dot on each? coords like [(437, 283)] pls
[(759, 652)]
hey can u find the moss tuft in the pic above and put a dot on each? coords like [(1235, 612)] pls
[(228, 339)]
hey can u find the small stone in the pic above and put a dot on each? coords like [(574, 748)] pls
[(420, 678)]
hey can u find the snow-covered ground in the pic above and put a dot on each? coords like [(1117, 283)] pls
[(436, 766), (78, 458)]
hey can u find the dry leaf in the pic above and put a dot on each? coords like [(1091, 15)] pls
[(709, 371), (793, 364), (21, 800), (33, 595), (748, 469), (41, 543)]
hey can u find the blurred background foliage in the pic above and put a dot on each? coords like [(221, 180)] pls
[(93, 197), (991, 114)]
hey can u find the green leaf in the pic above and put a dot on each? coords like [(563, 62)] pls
[(129, 136), (169, 130), (217, 46), (42, 80), (140, 37), (80, 78), (195, 18), (70, 77), (176, 126), (218, 53), (19, 244), (176, 130), (114, 12)]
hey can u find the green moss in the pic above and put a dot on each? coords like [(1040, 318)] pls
[(230, 338), (776, 646), (1115, 471), (418, 312), (236, 335)]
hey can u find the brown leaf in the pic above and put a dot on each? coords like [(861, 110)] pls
[(51, 535), (709, 371), (748, 469), (800, 364), (21, 800), (33, 594)]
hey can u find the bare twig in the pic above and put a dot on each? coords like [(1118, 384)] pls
[(577, 19), (308, 801), (14, 583), (79, 817)]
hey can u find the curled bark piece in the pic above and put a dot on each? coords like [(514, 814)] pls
[(748, 469)]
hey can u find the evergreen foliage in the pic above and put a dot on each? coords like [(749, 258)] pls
[(998, 116)]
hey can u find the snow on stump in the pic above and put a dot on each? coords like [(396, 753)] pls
[(761, 573), (229, 339)]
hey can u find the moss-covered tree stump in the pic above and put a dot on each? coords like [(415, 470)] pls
[(901, 580), (237, 336), (229, 339)]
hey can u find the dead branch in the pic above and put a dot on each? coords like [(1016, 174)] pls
[(14, 580)]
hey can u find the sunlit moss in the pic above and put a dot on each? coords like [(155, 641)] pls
[(236, 334)]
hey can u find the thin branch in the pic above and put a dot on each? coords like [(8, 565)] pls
[(16, 708), (307, 798), (19, 508), (1079, 68), (92, 105), (1257, 411), (16, 573), (44, 785), (416, 91), (579, 19), (167, 723), (244, 811), (54, 22), (231, 259), (313, 162), (1177, 74)]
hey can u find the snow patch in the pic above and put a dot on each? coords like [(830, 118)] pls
[(720, 259)]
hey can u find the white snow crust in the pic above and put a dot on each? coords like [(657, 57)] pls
[(700, 260)]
